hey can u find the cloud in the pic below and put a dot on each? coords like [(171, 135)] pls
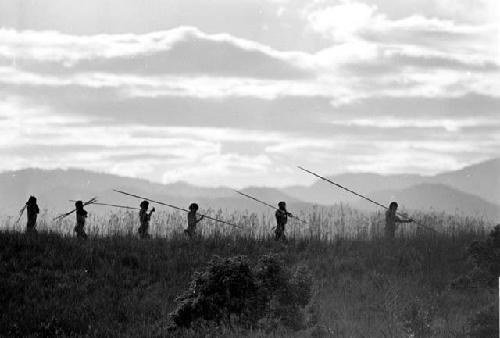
[(344, 21), (350, 20), (217, 154), (358, 25), (186, 62), (183, 50), (140, 151), (413, 93), (451, 125), (469, 12), (403, 161)]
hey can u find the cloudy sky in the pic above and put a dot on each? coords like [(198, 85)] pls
[(240, 92)]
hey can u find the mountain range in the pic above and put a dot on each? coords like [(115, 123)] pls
[(473, 190)]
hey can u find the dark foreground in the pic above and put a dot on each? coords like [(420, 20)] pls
[(121, 286)]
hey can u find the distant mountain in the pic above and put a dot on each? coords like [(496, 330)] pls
[(270, 195), (22, 181), (186, 190), (437, 197), (472, 190), (481, 180), (322, 192), (54, 189)]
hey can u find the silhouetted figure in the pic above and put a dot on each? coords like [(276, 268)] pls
[(144, 218), (32, 212), (81, 215), (192, 220), (281, 220), (391, 219)]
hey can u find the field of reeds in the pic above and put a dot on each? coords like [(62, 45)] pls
[(114, 284), (324, 223)]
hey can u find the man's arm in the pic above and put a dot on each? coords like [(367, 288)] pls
[(399, 220), (151, 212)]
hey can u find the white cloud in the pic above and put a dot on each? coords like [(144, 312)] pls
[(450, 125), (356, 21), (342, 22), (197, 154), (180, 50), (89, 101), (134, 64), (398, 161)]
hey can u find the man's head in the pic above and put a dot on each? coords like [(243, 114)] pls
[(393, 206), (193, 207), (32, 200), (144, 205), (282, 205), (79, 204)]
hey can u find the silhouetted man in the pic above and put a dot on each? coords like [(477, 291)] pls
[(32, 212), (391, 218), (144, 218), (281, 220), (192, 220), (81, 215)]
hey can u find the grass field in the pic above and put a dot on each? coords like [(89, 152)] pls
[(116, 285)]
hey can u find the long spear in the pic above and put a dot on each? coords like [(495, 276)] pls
[(112, 205), (267, 204), (20, 214), (359, 195), (175, 207), (91, 201)]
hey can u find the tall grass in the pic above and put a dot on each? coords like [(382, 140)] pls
[(323, 223), (117, 285), (122, 286)]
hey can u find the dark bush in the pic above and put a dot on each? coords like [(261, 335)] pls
[(485, 256), (229, 291)]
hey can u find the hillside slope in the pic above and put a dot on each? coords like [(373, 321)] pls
[(436, 197)]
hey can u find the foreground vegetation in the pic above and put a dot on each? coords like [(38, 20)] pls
[(53, 284)]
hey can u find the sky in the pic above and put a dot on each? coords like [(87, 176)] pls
[(238, 93)]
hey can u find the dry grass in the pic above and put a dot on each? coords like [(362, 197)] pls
[(324, 223), (114, 284)]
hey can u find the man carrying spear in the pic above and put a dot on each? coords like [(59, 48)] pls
[(281, 215), (32, 212), (81, 215), (192, 220), (144, 218), (192, 211), (391, 218), (281, 220)]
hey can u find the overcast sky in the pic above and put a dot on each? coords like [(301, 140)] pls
[(240, 92)]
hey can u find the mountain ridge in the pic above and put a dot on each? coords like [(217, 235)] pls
[(428, 197), (480, 179), (60, 185)]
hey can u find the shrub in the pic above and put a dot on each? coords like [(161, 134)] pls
[(230, 290), (485, 256)]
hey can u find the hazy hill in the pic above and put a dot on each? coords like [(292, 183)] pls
[(322, 192), (472, 190), (481, 180), (54, 189), (437, 197), (23, 181)]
